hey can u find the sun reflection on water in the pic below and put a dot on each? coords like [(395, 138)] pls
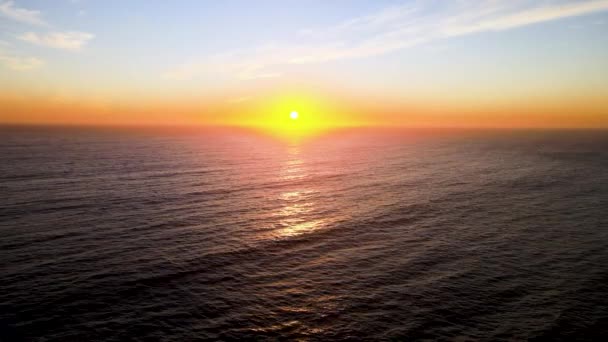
[(297, 213)]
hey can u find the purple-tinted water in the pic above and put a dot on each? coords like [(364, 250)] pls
[(362, 235)]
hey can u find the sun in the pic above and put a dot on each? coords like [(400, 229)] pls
[(291, 114)]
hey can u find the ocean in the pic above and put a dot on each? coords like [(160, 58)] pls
[(122, 235)]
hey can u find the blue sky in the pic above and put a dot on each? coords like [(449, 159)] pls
[(461, 49)]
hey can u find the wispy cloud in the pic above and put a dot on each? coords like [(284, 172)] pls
[(33, 17), (240, 64), (68, 40), (387, 30), (20, 63), (15, 61), (240, 99), (530, 16)]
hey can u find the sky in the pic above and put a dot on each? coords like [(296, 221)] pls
[(432, 63)]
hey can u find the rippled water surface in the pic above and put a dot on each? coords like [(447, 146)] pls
[(359, 235)]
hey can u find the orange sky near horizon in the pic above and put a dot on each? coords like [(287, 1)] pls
[(478, 64), (588, 112)]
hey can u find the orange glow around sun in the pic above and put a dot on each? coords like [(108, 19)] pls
[(288, 111), (293, 114)]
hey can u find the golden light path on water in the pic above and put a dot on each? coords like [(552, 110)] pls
[(298, 213)]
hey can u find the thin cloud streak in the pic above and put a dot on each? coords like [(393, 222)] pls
[(20, 63), (241, 99), (388, 30), (65, 40), (68, 40), (533, 16), (32, 17)]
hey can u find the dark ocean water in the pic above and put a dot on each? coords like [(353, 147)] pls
[(113, 236)]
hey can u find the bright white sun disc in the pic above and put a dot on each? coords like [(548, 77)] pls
[(293, 115)]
